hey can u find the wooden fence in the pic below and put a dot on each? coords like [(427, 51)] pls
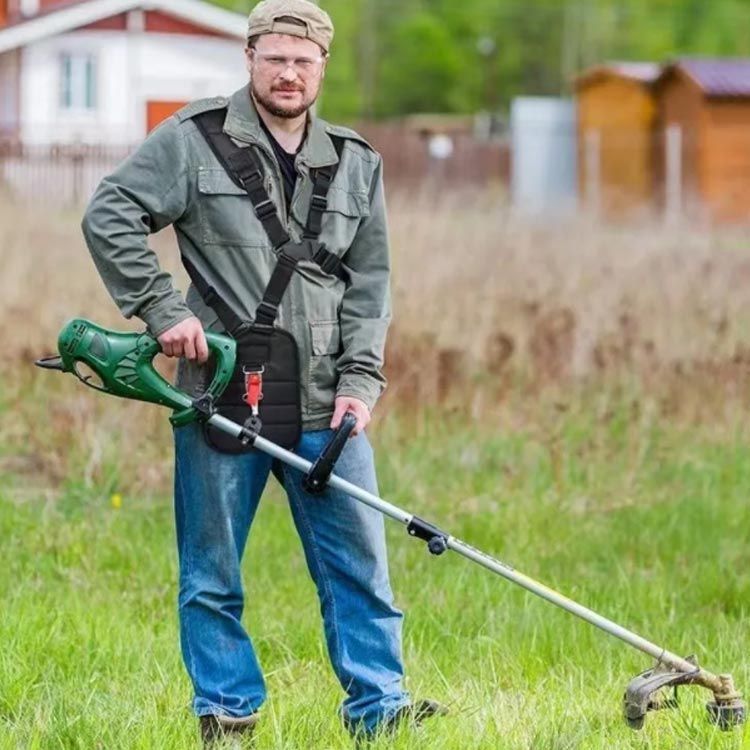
[(408, 160), (66, 175), (56, 174)]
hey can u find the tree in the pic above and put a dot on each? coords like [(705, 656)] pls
[(421, 69), (393, 57)]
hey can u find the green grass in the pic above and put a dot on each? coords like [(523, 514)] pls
[(649, 523)]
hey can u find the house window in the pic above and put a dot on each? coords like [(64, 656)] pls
[(77, 81)]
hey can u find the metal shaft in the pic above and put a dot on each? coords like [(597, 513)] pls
[(466, 550), (506, 571)]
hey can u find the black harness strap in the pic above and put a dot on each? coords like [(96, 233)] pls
[(265, 386), (319, 200), (288, 257), (244, 168), (246, 171), (228, 317)]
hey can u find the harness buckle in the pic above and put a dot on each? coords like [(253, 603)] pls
[(267, 310), (296, 251), (264, 209), (319, 202), (251, 177), (328, 262)]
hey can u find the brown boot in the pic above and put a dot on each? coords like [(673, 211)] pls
[(227, 732), (413, 715)]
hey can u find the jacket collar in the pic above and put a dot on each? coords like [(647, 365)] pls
[(243, 123)]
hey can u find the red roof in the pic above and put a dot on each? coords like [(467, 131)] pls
[(177, 16), (45, 8), (717, 77)]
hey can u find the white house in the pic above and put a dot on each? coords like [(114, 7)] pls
[(107, 71)]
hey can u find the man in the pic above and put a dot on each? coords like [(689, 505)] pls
[(336, 307)]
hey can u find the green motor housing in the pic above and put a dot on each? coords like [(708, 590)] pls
[(123, 365)]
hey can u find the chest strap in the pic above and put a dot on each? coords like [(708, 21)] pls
[(245, 169)]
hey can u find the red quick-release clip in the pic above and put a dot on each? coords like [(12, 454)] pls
[(253, 389)]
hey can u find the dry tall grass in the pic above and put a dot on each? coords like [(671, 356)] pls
[(480, 296), (492, 316), (493, 300)]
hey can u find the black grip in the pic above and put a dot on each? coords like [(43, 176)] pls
[(316, 480)]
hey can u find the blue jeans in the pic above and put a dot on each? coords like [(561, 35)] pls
[(216, 496)]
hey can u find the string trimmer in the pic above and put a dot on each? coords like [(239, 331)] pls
[(122, 364)]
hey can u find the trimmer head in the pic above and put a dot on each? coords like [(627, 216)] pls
[(727, 715), (656, 689)]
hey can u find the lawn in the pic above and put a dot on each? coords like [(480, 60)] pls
[(644, 519), (572, 399)]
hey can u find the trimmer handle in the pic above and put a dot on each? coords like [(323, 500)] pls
[(316, 479), (123, 364)]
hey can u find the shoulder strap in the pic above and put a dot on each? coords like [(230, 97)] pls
[(228, 317), (244, 168), (322, 180)]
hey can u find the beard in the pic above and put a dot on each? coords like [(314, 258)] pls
[(289, 111)]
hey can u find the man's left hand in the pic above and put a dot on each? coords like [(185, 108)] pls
[(359, 408)]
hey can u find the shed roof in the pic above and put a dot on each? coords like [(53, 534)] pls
[(639, 72), (716, 77), (72, 15)]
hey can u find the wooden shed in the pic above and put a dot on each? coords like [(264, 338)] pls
[(617, 118), (705, 103)]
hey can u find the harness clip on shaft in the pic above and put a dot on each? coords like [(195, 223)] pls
[(436, 538)]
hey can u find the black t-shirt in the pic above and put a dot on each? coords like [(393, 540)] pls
[(286, 164)]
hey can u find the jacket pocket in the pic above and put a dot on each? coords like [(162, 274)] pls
[(226, 214), (325, 346), (343, 215)]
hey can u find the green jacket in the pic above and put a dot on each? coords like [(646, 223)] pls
[(174, 178)]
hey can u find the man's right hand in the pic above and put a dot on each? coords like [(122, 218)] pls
[(186, 339)]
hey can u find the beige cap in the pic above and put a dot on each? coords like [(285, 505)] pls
[(314, 23)]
